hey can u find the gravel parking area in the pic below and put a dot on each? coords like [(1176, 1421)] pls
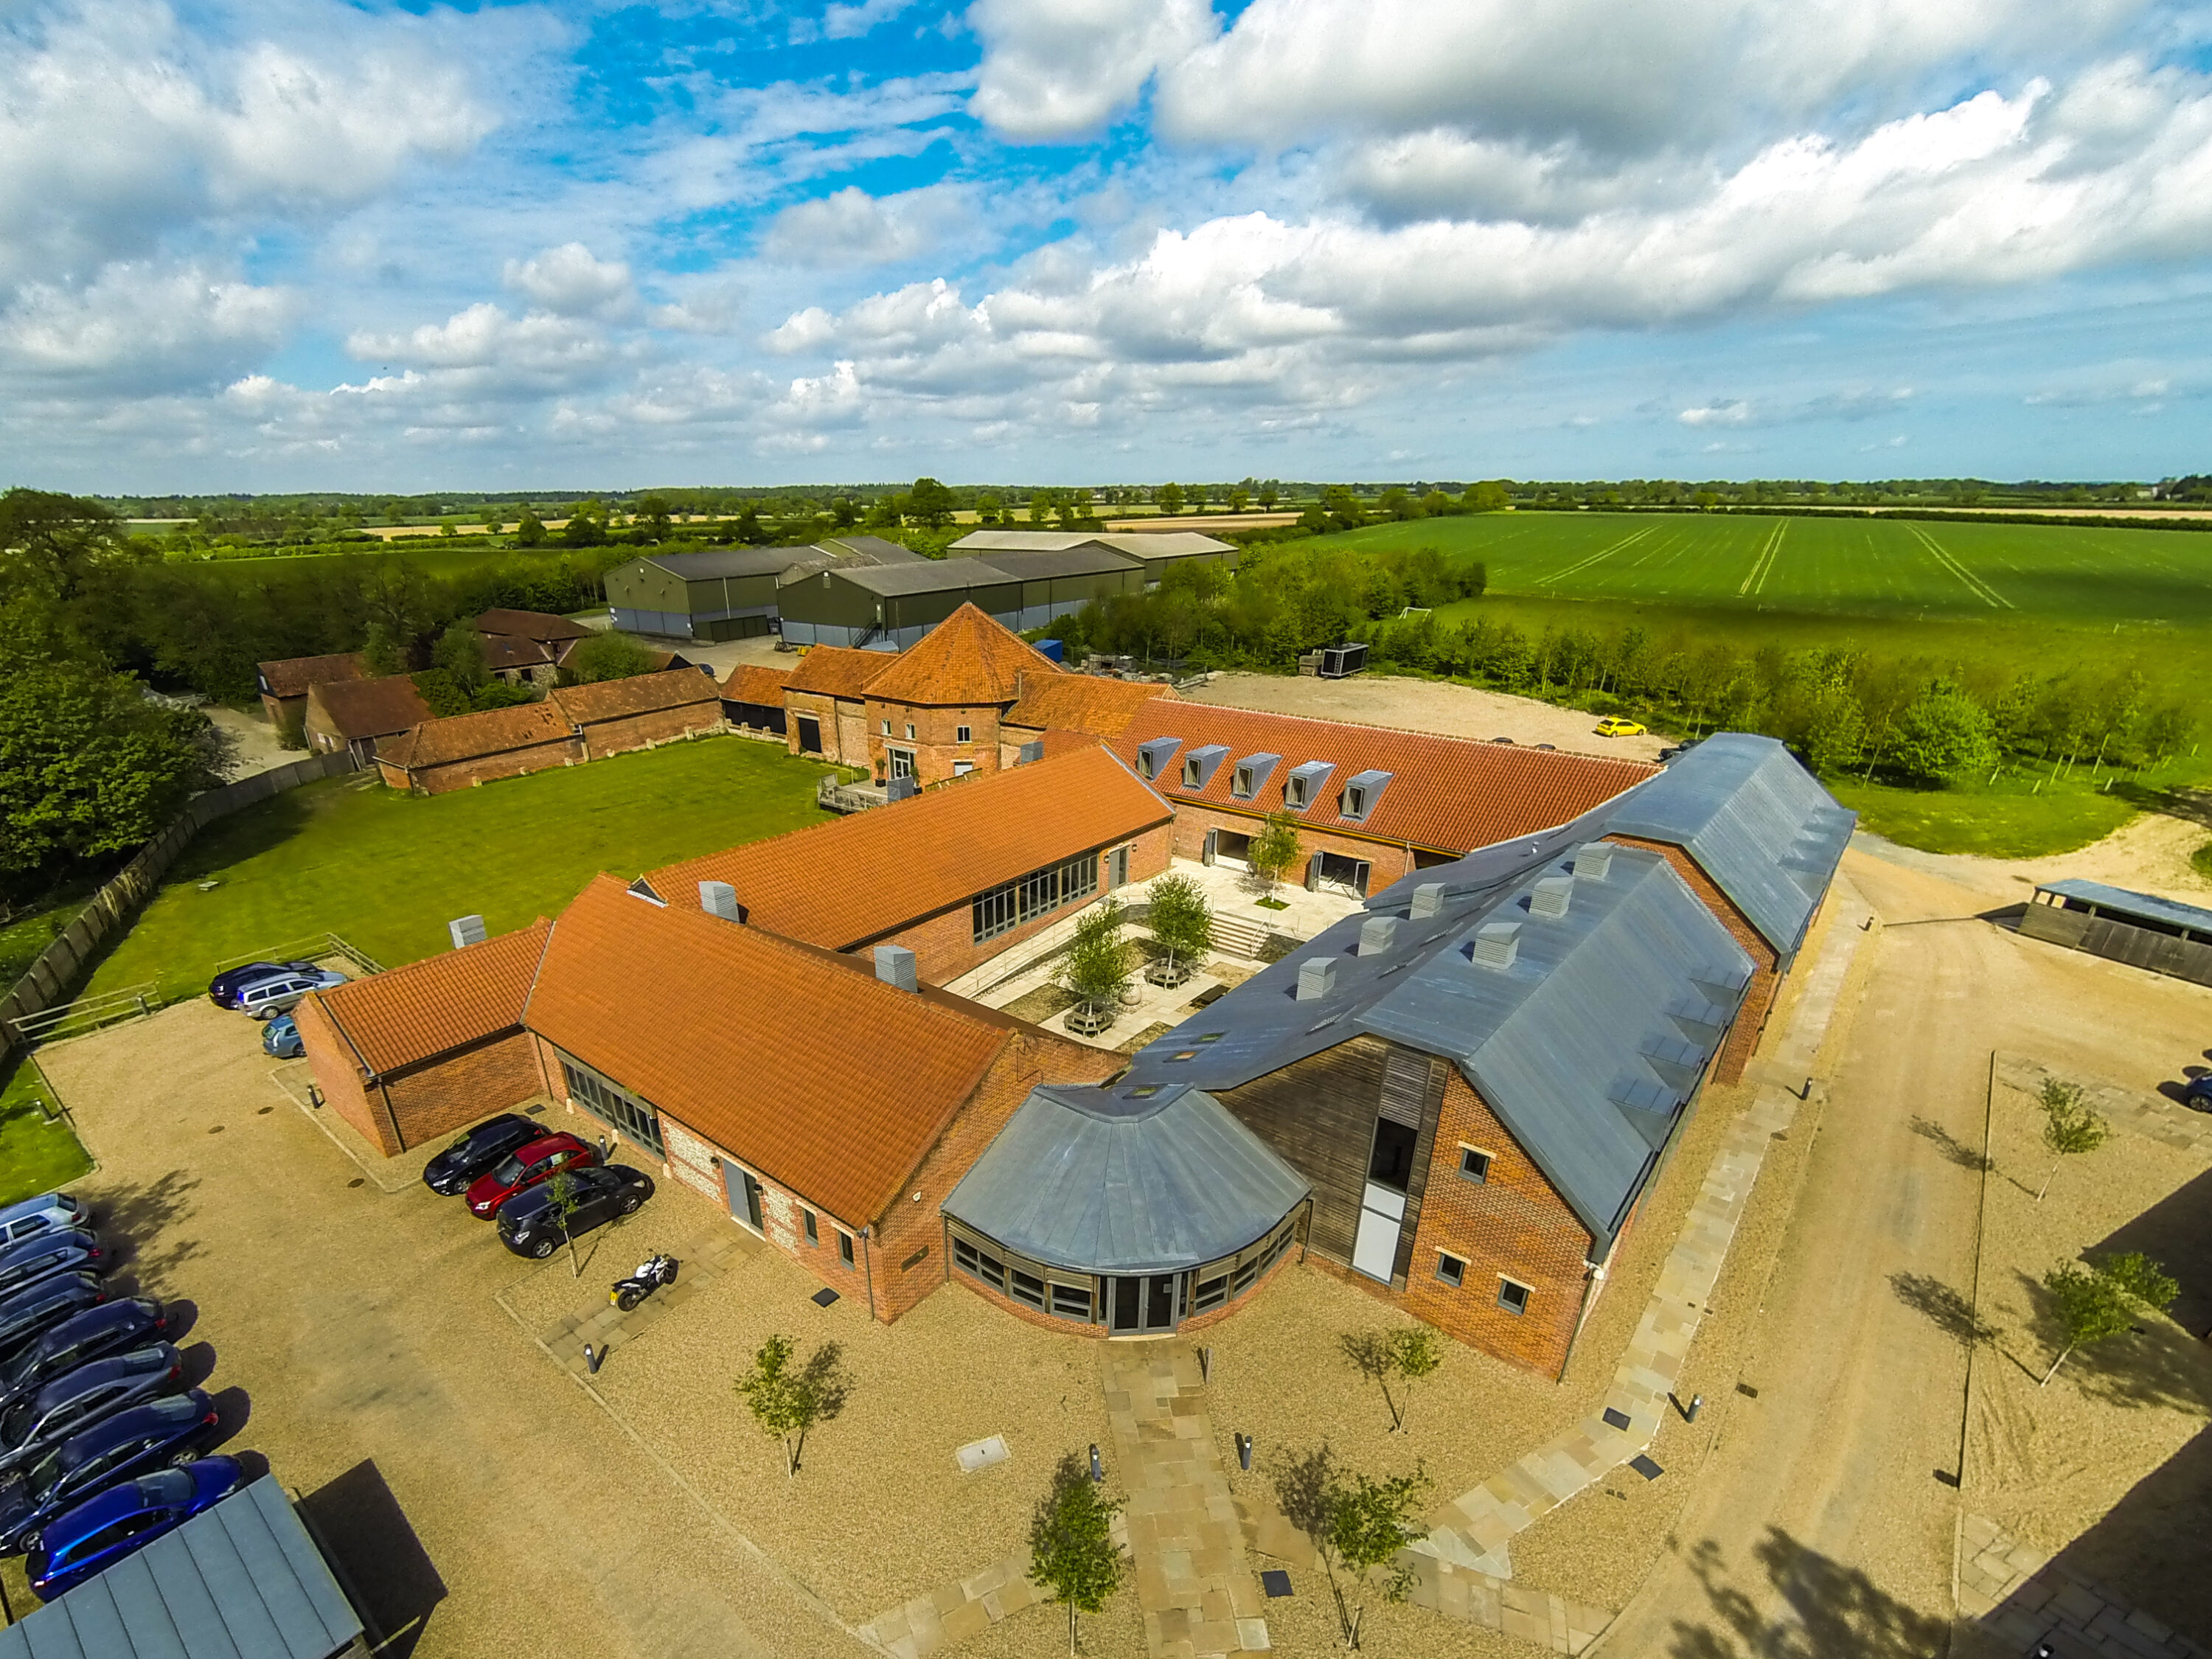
[(1412, 705), (356, 1332)]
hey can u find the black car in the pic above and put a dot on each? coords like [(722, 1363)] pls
[(26, 1314), (529, 1226), (79, 1399), (81, 1338), (450, 1173), (67, 1251), (172, 1430), (224, 988)]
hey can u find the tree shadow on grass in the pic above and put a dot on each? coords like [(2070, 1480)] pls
[(1948, 1147), (1942, 1307), (245, 834), (1830, 1611)]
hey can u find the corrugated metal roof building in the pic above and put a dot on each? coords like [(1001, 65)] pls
[(892, 607)]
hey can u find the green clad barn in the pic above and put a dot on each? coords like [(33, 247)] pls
[(889, 607), (730, 592)]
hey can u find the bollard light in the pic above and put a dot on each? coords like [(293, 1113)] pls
[(1244, 1453), (591, 1359), (1697, 1402), (1098, 1469)]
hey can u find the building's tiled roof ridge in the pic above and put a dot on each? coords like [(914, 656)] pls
[(967, 660), (1082, 702), (755, 682), (371, 708), (639, 694), (473, 736), (424, 1009), (292, 676), (531, 624), (838, 671)]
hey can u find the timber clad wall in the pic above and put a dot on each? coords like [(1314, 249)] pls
[(1513, 1225), (1319, 1116), (1765, 977)]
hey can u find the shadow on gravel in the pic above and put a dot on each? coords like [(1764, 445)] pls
[(1949, 1147), (1942, 1307), (233, 1409), (2153, 1364), (1835, 1611), (198, 1363), (182, 1313), (140, 1222), (387, 1573)]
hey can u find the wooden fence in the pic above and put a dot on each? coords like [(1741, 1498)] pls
[(115, 905)]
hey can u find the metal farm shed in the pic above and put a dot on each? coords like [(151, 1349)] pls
[(891, 607), (2140, 929), (729, 592)]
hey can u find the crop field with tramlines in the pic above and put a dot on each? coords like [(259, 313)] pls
[(1833, 565)]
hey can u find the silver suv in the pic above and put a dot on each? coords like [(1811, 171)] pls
[(46, 1214), (266, 998)]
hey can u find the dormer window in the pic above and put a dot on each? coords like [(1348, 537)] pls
[(1303, 787), (1190, 778), (1154, 754), (1355, 802), (1200, 764), (1294, 791), (1361, 792), (1251, 775), (1242, 789)]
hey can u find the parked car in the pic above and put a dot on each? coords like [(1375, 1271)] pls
[(281, 1037), (529, 1224), (525, 1166), (1617, 727), (48, 1213), (451, 1170), (46, 1254), (2197, 1094), (80, 1337), (172, 1430), (223, 990), (27, 1313), (81, 1398), (265, 998), (123, 1520)]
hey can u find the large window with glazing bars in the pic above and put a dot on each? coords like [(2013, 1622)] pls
[(612, 1105), (1037, 894)]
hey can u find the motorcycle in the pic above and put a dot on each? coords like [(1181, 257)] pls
[(650, 1276)]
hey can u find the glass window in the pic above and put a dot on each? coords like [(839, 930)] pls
[(961, 734), (1294, 792), (887, 728), (1355, 802), (1145, 768), (1511, 1296), (1037, 894), (613, 1106), (813, 1232), (1475, 1165), (1243, 789), (1071, 1302), (1212, 1292), (1247, 1271), (1451, 1269), (1028, 1287), (845, 1247), (1190, 775), (909, 731)]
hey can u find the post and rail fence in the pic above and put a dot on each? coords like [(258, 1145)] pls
[(34, 1011)]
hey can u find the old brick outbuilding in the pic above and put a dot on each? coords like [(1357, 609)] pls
[(284, 684), (574, 724), (355, 715)]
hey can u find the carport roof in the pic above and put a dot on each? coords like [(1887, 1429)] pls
[(243, 1581), (2141, 907)]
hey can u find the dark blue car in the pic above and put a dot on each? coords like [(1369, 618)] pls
[(2198, 1096), (105, 1329), (224, 988), (172, 1430), (101, 1531), (26, 1314)]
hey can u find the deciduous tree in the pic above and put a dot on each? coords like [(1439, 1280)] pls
[(787, 1400), (2096, 1302), (2071, 1126), (610, 655), (1071, 1552), (1275, 849)]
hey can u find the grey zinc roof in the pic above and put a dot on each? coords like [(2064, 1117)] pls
[(1102, 1180), (1039, 565), (243, 1581), (931, 577), (1755, 821), (872, 550), (2145, 907), (1138, 544), (1586, 1047), (729, 561)]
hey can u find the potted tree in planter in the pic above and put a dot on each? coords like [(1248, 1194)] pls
[(1095, 968), (1272, 852), (1181, 922)]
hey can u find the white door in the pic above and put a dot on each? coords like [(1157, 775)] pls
[(1381, 1216)]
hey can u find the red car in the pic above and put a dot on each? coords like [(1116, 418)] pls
[(525, 1166)]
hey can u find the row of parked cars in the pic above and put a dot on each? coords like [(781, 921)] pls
[(503, 1170), (269, 991), (103, 1445)]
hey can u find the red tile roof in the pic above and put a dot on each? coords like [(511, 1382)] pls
[(513, 651), (841, 884), (369, 708), (641, 694), (1449, 794), (836, 671), (800, 1063), (472, 737), (438, 1005), (290, 676), (1082, 702), (750, 682), (966, 661), (532, 625)]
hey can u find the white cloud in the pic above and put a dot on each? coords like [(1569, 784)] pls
[(483, 351), (851, 228), (141, 328), (1730, 414), (570, 282), (1053, 68), (841, 22)]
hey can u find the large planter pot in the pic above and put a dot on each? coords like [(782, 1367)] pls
[(1130, 995), (1088, 1018), (1166, 977)]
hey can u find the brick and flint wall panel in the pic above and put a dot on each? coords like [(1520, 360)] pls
[(1765, 976), (697, 1161), (1514, 1225), (1389, 860)]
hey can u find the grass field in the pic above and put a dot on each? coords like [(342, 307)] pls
[(35, 1156), (385, 872)]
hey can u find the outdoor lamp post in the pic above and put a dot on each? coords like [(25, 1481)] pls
[(1098, 1469), (1244, 1453)]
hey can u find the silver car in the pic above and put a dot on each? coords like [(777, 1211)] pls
[(266, 998), (48, 1213)]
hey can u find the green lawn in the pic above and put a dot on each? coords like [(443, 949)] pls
[(35, 1156), (2004, 820), (386, 870)]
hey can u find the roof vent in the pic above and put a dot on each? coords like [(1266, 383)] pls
[(895, 966), (467, 930), (718, 898), (1428, 899), (1316, 978), (1549, 897), (1495, 944), (1376, 934), (1593, 862)]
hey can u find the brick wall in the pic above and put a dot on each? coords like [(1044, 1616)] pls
[(1513, 1225), (936, 744), (944, 945), (338, 1076), (419, 1103), (487, 768), (843, 739), (1390, 859), (616, 737), (1766, 976)]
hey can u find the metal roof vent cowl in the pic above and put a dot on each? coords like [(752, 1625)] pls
[(467, 930), (718, 898), (1593, 863), (1428, 899), (1549, 897), (1376, 934), (1316, 978), (1495, 944), (895, 966)]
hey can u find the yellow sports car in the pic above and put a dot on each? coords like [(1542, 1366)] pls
[(1617, 727)]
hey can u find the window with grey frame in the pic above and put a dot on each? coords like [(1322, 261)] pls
[(612, 1104), (1062, 1293), (1037, 894)]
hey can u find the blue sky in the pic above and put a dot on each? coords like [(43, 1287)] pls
[(254, 246)]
